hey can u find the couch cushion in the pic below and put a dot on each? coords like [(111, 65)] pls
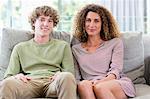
[(142, 90), (10, 37), (134, 56)]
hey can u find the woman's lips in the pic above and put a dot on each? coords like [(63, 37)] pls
[(91, 30)]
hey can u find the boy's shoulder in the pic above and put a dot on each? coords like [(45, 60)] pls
[(22, 44)]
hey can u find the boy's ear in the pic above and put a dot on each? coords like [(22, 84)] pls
[(34, 24)]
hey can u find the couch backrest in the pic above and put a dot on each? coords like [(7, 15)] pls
[(146, 42)]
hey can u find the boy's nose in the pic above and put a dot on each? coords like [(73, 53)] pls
[(45, 22)]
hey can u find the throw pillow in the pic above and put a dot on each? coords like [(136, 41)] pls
[(133, 56)]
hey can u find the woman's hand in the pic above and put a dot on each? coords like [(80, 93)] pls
[(22, 77), (107, 78), (96, 82)]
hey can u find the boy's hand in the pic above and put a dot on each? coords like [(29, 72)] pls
[(53, 77), (22, 77)]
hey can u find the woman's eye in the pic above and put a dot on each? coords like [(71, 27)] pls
[(96, 21), (88, 20)]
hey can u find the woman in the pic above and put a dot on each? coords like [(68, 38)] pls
[(99, 56)]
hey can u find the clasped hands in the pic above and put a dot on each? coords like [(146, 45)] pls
[(26, 78), (107, 78)]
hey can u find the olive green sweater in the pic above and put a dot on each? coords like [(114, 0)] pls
[(40, 60)]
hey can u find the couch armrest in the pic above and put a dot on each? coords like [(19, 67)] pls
[(147, 70)]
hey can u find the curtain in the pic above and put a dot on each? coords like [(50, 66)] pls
[(128, 13), (148, 16)]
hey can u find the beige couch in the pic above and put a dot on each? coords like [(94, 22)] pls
[(136, 55)]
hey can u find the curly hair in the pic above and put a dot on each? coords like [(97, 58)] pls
[(109, 28), (44, 10)]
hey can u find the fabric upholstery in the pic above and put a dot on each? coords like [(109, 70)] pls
[(134, 56), (133, 51), (146, 42), (142, 89)]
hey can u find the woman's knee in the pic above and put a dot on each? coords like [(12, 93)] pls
[(99, 88), (84, 84), (110, 87)]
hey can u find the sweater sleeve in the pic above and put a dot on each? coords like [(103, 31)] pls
[(116, 65), (67, 62), (14, 64)]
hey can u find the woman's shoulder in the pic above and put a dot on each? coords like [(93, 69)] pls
[(76, 46), (115, 40)]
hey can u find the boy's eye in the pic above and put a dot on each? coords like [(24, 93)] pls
[(50, 20), (41, 19)]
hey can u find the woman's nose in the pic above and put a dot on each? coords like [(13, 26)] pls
[(91, 24)]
